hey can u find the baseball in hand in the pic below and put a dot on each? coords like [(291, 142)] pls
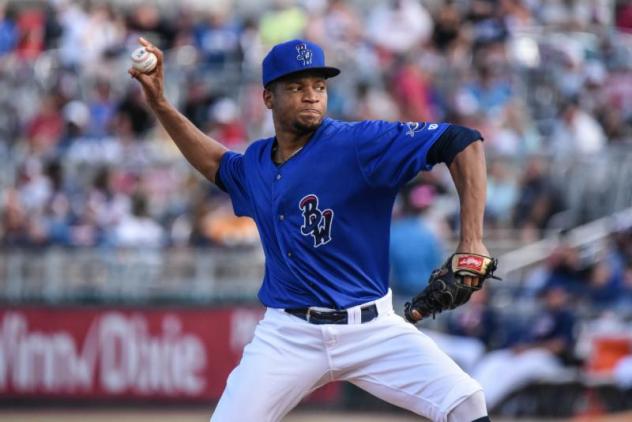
[(143, 60)]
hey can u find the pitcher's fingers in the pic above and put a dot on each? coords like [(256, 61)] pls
[(145, 79), (151, 48), (138, 75), (141, 77)]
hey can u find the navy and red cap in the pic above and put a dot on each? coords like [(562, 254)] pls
[(293, 57)]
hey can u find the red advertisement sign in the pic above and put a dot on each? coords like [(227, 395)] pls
[(175, 354)]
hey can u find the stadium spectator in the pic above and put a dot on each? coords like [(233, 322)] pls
[(415, 249), (479, 321), (537, 200), (338, 27), (31, 27), (137, 228), (102, 109), (57, 209), (452, 61), (226, 125), (447, 27), (502, 191), (399, 26), (217, 39), (515, 135), (623, 13), (15, 225), (489, 93), (109, 203), (284, 21), (604, 286), (8, 30), (577, 132), (85, 231), (146, 18), (413, 93), (548, 343), (625, 301), (372, 103), (45, 129), (470, 331), (133, 119), (197, 102)]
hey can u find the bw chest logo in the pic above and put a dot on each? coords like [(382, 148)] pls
[(316, 222)]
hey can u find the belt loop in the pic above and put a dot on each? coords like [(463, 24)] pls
[(307, 314), (385, 304), (354, 315)]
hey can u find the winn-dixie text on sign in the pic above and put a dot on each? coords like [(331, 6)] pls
[(148, 354)]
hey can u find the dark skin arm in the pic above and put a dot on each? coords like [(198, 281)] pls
[(201, 151), (468, 170)]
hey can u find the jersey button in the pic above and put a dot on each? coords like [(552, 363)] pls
[(289, 254), (278, 176), (281, 217)]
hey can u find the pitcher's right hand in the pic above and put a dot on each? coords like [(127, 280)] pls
[(152, 82)]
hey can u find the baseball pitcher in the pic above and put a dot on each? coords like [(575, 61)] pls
[(321, 192)]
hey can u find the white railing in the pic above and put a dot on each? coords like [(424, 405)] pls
[(127, 276), (515, 263)]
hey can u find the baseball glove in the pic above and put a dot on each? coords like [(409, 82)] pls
[(446, 290)]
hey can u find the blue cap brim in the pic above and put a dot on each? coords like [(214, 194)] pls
[(326, 71)]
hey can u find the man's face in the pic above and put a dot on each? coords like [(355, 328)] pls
[(299, 103), (555, 298)]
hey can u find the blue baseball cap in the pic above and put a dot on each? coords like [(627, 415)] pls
[(292, 57)]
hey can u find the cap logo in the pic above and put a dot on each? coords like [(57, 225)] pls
[(304, 54)]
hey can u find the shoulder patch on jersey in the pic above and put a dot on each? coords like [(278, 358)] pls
[(414, 127), (316, 223)]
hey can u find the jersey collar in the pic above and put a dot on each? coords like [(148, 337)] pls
[(312, 139)]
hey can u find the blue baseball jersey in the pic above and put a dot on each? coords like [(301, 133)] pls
[(324, 215)]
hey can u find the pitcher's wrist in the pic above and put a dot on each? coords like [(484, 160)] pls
[(159, 104)]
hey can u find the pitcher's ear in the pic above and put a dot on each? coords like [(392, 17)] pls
[(267, 97)]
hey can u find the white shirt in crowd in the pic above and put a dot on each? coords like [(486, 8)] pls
[(135, 231)]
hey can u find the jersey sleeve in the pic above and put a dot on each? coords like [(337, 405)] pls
[(231, 178), (392, 153)]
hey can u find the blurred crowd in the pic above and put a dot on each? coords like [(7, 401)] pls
[(85, 164), (567, 323)]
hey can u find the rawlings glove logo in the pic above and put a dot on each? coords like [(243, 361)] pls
[(316, 223), (470, 262)]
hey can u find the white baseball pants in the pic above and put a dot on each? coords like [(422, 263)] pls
[(288, 358)]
